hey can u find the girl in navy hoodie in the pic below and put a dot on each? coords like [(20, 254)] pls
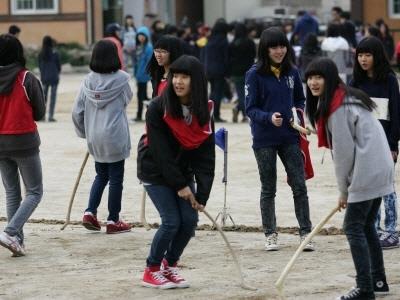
[(273, 88), (50, 68), (373, 74)]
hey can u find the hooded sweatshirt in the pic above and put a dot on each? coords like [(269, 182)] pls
[(144, 52), (267, 94), (99, 115), (363, 162), (26, 144)]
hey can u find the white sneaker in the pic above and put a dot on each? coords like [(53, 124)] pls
[(272, 242), (310, 245), (12, 243)]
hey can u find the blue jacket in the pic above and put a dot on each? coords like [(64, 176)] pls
[(389, 89), (306, 25), (50, 68), (143, 56), (265, 95)]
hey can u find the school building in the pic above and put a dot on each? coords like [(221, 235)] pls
[(368, 11)]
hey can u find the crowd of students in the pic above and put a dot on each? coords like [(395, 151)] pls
[(359, 122)]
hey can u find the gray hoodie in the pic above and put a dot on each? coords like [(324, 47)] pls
[(363, 163), (99, 115)]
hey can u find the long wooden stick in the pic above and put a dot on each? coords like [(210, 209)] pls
[(279, 283), (71, 200), (235, 259), (143, 211)]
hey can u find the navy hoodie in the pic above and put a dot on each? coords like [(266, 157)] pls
[(388, 89), (265, 95)]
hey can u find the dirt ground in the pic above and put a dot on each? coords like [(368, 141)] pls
[(77, 264)]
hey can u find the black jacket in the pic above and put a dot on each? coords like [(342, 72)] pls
[(241, 53), (163, 161)]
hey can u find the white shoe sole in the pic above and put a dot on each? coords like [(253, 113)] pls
[(162, 287), (271, 248), (183, 285)]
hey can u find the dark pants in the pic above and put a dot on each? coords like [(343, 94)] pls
[(239, 83), (178, 222), (291, 158), (142, 96), (112, 173), (53, 97), (216, 94), (359, 226)]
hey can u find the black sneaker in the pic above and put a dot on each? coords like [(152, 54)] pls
[(357, 294), (381, 287)]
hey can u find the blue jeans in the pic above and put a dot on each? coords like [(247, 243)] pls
[(359, 226), (239, 86), (18, 211), (390, 202), (112, 173), (292, 159), (53, 97), (178, 222)]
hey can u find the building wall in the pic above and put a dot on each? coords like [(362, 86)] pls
[(4, 7), (373, 10), (69, 25), (68, 6)]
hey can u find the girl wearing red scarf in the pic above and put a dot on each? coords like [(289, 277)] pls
[(178, 150), (363, 165)]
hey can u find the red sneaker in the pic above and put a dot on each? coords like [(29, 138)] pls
[(154, 277), (90, 222), (118, 227), (171, 273)]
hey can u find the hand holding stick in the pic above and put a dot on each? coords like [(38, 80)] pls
[(143, 211)]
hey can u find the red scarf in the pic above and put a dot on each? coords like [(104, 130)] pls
[(336, 102), (190, 136)]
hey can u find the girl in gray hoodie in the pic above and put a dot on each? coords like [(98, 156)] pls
[(363, 165), (99, 115)]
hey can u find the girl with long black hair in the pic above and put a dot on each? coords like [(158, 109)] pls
[(273, 89), (364, 171), (373, 74), (50, 68), (177, 150)]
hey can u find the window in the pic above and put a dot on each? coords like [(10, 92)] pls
[(34, 7), (394, 8)]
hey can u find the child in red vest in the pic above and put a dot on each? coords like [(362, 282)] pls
[(21, 104)]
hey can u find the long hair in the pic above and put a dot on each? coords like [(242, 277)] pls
[(318, 107), (189, 65), (381, 66), (47, 48), (175, 48), (11, 51), (272, 37)]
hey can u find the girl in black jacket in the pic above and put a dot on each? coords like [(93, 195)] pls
[(178, 149)]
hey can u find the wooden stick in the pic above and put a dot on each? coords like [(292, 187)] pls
[(306, 131), (143, 211), (279, 283), (71, 200), (235, 259)]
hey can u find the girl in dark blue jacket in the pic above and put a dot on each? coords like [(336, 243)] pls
[(273, 88), (372, 74), (50, 68)]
